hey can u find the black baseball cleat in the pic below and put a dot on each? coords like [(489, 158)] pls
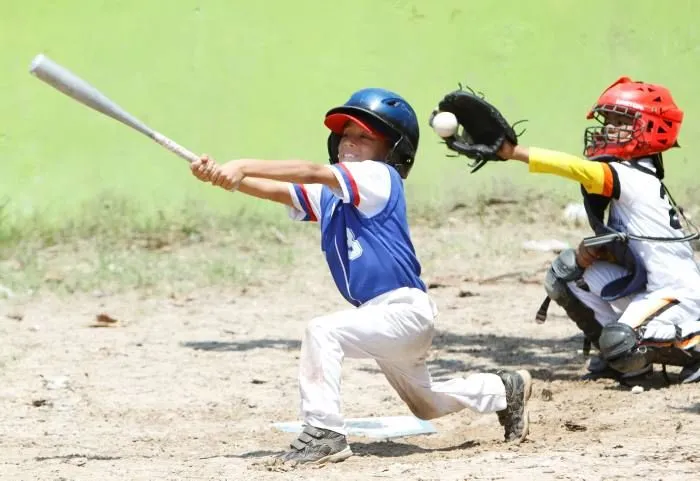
[(317, 446), (515, 418)]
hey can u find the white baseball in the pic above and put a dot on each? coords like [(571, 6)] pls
[(445, 124)]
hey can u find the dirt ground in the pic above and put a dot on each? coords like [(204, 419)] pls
[(187, 386)]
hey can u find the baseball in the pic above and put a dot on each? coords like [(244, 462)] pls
[(445, 124)]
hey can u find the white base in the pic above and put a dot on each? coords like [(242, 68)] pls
[(386, 427)]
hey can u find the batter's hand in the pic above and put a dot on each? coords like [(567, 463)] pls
[(204, 168), (229, 175)]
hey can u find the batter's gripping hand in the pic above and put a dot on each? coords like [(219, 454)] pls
[(204, 168), (483, 128)]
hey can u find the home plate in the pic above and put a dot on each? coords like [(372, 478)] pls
[(376, 427)]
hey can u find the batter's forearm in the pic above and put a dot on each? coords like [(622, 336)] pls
[(293, 171), (267, 189)]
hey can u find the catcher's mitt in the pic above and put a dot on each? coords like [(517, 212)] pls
[(483, 127)]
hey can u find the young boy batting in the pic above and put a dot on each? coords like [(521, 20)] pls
[(359, 203)]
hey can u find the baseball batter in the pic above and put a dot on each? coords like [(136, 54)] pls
[(358, 202)]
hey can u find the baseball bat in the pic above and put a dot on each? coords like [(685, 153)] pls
[(78, 89)]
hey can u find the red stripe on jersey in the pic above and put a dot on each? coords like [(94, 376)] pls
[(353, 185), (312, 216)]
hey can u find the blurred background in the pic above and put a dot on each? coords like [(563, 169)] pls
[(254, 79)]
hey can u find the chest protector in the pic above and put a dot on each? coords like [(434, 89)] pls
[(616, 243), (617, 250)]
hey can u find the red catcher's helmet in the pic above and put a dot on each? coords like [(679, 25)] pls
[(654, 119)]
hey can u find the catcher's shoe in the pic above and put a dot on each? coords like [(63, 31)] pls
[(690, 373), (317, 446), (599, 369), (597, 365), (515, 418)]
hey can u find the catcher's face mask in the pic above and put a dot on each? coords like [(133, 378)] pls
[(617, 126), (636, 119)]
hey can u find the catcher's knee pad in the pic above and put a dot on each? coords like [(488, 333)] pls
[(620, 348), (562, 271)]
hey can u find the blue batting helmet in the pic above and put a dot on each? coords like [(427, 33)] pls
[(381, 111)]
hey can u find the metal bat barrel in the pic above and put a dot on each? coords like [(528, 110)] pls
[(70, 84), (78, 89)]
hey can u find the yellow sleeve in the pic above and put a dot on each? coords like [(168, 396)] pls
[(596, 177)]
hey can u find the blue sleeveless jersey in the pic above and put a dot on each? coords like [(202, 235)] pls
[(369, 256)]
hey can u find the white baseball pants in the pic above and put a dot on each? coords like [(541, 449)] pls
[(671, 316), (396, 329)]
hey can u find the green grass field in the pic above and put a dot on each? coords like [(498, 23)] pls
[(254, 79)]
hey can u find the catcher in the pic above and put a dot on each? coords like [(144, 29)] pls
[(634, 287), (359, 203)]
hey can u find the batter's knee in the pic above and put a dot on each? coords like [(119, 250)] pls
[(319, 332), (424, 413), (316, 327), (421, 407)]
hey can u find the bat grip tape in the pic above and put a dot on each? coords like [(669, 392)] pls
[(175, 147)]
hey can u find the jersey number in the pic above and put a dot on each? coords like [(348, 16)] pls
[(354, 246)]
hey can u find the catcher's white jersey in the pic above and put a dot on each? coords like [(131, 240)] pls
[(641, 208), (669, 308)]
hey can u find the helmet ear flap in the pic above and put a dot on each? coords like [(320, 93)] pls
[(333, 143), (401, 156)]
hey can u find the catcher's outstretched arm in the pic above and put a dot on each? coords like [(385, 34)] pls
[(596, 177)]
